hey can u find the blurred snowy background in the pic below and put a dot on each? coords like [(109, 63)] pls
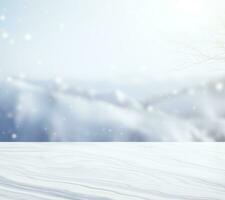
[(82, 70)]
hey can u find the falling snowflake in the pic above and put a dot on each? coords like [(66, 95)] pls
[(54, 133), (144, 68), (175, 92), (109, 130), (5, 35), (9, 115), (61, 26), (150, 108), (9, 79), (39, 62), (27, 37), (219, 87), (191, 92), (11, 41), (194, 107), (14, 136), (19, 107), (2, 17), (121, 97), (58, 80)]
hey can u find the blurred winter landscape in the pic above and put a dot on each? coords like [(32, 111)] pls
[(112, 70), (60, 111)]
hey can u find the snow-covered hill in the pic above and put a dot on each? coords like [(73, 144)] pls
[(56, 111)]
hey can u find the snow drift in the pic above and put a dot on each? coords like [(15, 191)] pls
[(99, 171)]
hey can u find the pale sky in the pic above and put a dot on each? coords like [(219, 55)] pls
[(107, 39)]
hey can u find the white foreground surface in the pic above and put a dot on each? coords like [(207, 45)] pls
[(156, 171)]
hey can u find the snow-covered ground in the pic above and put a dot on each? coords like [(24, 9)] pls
[(97, 171), (60, 111)]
